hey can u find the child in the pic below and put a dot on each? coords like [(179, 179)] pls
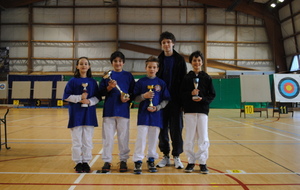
[(153, 95), (82, 120), (196, 100), (172, 69), (116, 111)]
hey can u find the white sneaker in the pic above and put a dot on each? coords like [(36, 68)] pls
[(177, 162), (164, 162)]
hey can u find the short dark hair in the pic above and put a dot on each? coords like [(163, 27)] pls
[(89, 72), (196, 54), (116, 54), (152, 59), (167, 35)]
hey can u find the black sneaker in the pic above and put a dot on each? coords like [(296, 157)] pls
[(106, 167), (78, 168), (203, 169), (137, 167), (189, 168), (151, 165), (85, 167), (123, 166)]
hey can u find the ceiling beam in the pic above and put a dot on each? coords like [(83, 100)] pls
[(16, 3)]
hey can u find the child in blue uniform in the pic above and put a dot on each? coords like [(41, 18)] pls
[(116, 111), (196, 100), (149, 114), (82, 120)]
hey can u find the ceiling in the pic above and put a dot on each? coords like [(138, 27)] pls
[(5, 4)]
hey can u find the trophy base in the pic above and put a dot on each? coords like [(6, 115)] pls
[(84, 105), (195, 97)]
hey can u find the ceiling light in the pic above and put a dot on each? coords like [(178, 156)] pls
[(273, 5), (281, 1)]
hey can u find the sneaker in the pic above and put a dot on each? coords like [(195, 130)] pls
[(78, 168), (137, 167), (151, 165), (85, 167), (164, 162), (123, 166), (106, 167), (177, 162), (189, 168), (203, 169)]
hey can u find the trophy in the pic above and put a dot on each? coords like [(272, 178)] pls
[(150, 87), (107, 76), (84, 85), (196, 82)]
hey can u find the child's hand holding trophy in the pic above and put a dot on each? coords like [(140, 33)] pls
[(195, 92), (84, 95), (150, 95), (124, 96)]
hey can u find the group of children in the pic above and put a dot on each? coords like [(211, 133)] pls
[(161, 95)]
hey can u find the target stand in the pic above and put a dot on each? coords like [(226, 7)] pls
[(250, 109), (287, 93), (285, 108)]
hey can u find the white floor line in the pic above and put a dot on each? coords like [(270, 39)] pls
[(91, 164), (298, 139)]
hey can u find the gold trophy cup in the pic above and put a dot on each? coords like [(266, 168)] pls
[(107, 76), (150, 87), (196, 82), (84, 85)]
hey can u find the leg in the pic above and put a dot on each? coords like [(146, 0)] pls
[(203, 140), (140, 143), (76, 133), (123, 137), (108, 132), (176, 126), (152, 142), (87, 141), (190, 132)]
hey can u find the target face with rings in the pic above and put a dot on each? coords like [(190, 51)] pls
[(288, 87)]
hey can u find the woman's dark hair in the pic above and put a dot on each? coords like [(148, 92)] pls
[(167, 35), (152, 59), (89, 72), (196, 54), (116, 54)]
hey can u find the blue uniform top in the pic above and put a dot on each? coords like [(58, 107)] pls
[(160, 93), (79, 116), (113, 106)]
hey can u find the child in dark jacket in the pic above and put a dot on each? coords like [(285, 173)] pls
[(197, 93)]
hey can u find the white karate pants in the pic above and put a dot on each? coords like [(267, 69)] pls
[(111, 125), (196, 126), (141, 141), (82, 143)]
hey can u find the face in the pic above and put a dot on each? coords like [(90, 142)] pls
[(167, 45), (117, 64), (83, 65), (151, 69), (197, 63)]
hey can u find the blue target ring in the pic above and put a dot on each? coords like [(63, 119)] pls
[(288, 88)]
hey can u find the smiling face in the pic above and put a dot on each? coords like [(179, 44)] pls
[(151, 69), (167, 46), (196, 64), (117, 64), (83, 66)]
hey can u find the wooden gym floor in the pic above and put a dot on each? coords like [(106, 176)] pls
[(245, 153)]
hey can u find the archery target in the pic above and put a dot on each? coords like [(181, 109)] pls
[(287, 87)]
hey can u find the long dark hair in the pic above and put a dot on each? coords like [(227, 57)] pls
[(89, 72)]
